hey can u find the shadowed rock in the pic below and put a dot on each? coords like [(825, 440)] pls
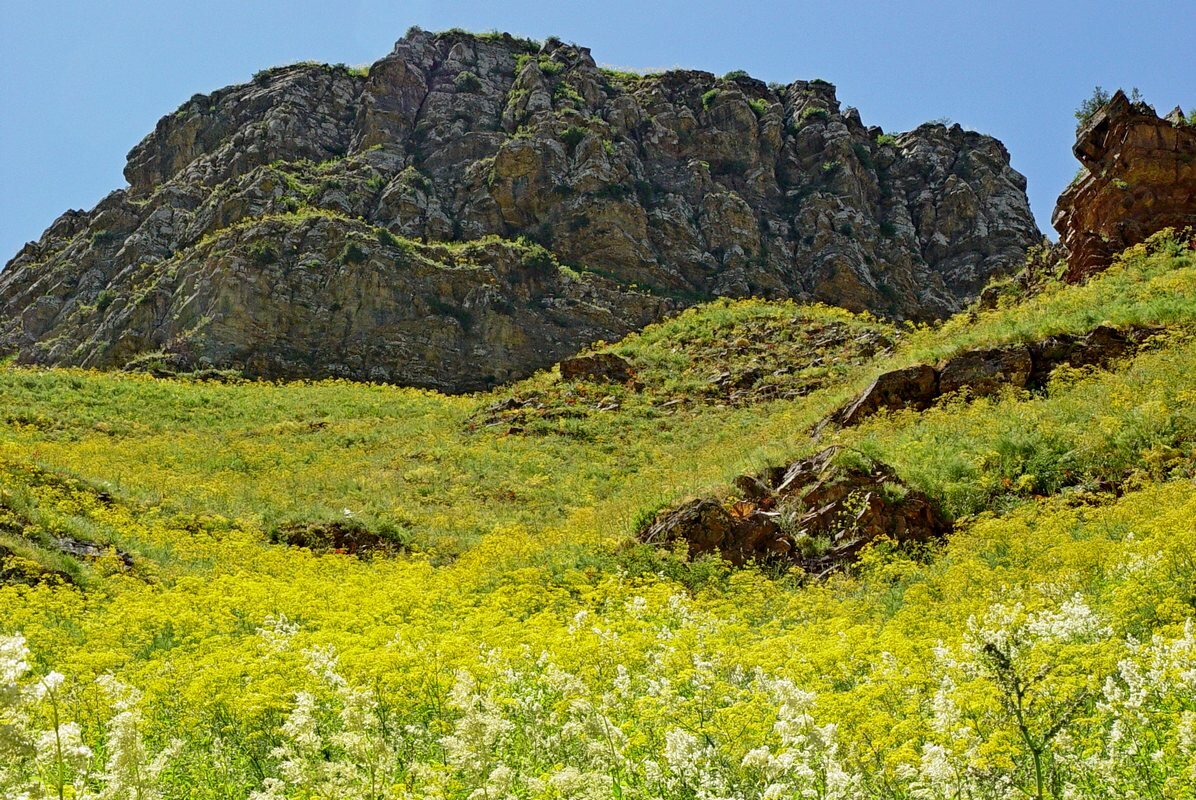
[(986, 372), (348, 537), (913, 387), (599, 367)]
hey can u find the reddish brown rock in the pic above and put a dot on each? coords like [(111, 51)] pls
[(912, 387), (1140, 178), (703, 524)]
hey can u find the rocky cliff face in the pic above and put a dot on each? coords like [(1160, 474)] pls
[(1139, 177), (313, 222)]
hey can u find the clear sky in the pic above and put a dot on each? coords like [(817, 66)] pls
[(82, 82)]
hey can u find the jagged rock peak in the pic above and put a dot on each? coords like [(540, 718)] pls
[(655, 190)]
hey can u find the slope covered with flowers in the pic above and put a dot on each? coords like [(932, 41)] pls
[(524, 646)]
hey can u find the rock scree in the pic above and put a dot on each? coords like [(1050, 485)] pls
[(473, 208)]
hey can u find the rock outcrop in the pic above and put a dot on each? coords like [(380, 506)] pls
[(1139, 177), (983, 373), (817, 513), (300, 225), (598, 367)]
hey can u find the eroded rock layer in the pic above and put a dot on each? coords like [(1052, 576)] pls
[(266, 226)]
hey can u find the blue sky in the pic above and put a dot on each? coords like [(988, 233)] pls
[(82, 82)]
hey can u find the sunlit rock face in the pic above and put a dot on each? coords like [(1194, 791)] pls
[(1139, 177)]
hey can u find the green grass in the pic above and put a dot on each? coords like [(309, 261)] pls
[(277, 453)]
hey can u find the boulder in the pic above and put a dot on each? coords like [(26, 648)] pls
[(89, 550), (913, 387), (703, 524), (986, 372)]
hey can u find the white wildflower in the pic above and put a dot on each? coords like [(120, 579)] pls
[(1073, 621), (637, 606)]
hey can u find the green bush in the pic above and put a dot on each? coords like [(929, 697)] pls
[(862, 154), (104, 299), (467, 82), (352, 254), (263, 253), (567, 93), (814, 114), (708, 98), (1095, 101), (101, 238)]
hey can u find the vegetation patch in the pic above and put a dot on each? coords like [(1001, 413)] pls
[(467, 82), (723, 354), (344, 537)]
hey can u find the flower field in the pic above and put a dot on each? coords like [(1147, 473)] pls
[(519, 643)]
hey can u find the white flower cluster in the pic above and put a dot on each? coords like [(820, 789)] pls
[(59, 758), (337, 748), (1153, 685), (1006, 631), (1010, 711), (806, 762)]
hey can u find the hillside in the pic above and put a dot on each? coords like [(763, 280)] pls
[(472, 615), (309, 224)]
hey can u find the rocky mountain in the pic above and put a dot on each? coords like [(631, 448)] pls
[(471, 208)]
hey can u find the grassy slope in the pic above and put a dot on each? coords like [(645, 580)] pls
[(514, 536)]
